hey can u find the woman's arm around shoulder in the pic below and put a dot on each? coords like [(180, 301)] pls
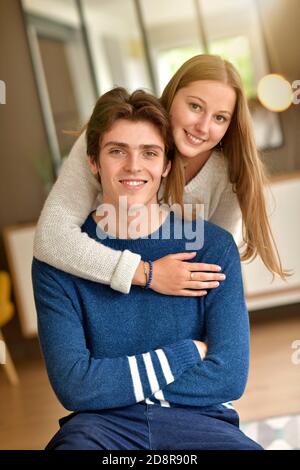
[(59, 240)]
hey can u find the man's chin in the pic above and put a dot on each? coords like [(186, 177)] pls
[(135, 203), (125, 200)]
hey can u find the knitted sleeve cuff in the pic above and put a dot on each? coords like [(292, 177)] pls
[(124, 272), (182, 355)]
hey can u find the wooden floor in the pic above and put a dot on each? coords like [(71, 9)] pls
[(29, 412)]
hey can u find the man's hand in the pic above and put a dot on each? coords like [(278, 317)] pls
[(202, 348)]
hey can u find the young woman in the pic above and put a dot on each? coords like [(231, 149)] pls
[(143, 371), (215, 146)]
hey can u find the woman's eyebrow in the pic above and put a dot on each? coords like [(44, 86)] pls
[(203, 101), (197, 98)]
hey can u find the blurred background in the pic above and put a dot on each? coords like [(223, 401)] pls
[(56, 58)]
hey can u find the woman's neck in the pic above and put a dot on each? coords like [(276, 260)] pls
[(193, 165)]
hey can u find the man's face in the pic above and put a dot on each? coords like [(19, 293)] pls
[(131, 163)]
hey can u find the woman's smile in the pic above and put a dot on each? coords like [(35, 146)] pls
[(192, 139)]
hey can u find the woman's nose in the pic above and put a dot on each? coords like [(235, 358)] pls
[(203, 124)]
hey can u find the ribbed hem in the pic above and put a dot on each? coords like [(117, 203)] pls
[(182, 355), (124, 272)]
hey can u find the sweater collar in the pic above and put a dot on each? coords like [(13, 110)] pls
[(201, 178)]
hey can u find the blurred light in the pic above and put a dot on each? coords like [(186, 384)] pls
[(275, 93)]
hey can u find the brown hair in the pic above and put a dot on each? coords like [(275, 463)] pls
[(245, 169), (138, 106)]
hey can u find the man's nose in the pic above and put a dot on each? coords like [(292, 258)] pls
[(133, 163)]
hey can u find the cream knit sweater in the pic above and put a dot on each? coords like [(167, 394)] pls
[(60, 242)]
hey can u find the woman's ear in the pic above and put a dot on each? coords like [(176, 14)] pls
[(93, 165), (167, 169)]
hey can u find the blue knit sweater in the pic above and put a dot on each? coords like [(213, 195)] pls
[(104, 349)]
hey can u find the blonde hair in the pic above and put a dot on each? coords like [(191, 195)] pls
[(245, 169)]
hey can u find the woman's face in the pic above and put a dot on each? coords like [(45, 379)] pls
[(200, 115)]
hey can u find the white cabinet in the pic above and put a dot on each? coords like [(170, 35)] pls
[(284, 210), (18, 241)]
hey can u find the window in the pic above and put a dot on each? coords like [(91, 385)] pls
[(169, 61), (237, 51)]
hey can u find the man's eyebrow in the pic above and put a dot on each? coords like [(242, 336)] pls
[(124, 145), (203, 101), (116, 144), (151, 146)]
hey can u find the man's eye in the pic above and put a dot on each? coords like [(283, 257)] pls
[(117, 151), (150, 154)]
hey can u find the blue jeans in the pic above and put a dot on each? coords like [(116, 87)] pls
[(152, 427)]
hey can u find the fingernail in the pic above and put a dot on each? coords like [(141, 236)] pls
[(219, 268)]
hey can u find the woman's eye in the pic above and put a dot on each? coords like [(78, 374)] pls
[(195, 106), (221, 118)]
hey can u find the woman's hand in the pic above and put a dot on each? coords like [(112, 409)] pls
[(202, 348), (172, 275)]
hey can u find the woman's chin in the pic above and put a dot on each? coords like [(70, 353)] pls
[(187, 153)]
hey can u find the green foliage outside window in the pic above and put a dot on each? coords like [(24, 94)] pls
[(170, 60), (237, 51)]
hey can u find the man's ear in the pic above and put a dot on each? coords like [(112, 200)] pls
[(167, 169), (93, 165)]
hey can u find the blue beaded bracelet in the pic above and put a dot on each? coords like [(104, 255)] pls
[(148, 284)]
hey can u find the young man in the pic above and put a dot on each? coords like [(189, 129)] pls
[(135, 368)]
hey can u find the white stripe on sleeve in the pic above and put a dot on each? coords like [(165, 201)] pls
[(137, 384), (151, 372), (165, 366), (154, 385), (160, 396), (228, 405), (149, 402)]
